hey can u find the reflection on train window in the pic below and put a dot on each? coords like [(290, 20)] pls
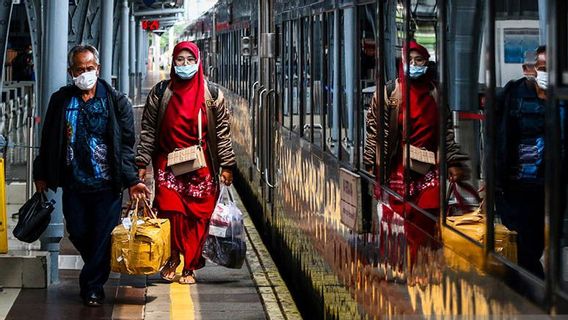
[(306, 78), (318, 68), (332, 99), (367, 33), (279, 78), (296, 61), (348, 85), (563, 239), (286, 76)]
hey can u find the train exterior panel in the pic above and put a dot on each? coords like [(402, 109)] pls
[(292, 184)]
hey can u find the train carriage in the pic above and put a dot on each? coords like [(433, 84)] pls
[(300, 76)]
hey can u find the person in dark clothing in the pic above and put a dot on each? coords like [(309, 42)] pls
[(520, 165), (87, 149), (23, 65)]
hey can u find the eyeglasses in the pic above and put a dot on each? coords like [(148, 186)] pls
[(418, 60), (183, 60)]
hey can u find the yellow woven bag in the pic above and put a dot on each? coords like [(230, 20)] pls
[(142, 246)]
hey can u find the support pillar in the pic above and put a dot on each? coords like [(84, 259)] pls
[(140, 53), (54, 76), (5, 15), (106, 40), (132, 59), (123, 80)]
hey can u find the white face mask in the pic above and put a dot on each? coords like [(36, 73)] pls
[(86, 81), (187, 72), (542, 79)]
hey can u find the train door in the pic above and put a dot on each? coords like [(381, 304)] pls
[(267, 101)]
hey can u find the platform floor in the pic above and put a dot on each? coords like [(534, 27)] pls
[(256, 291)]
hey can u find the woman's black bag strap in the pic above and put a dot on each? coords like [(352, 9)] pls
[(163, 85)]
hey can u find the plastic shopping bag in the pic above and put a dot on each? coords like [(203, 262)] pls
[(225, 244)]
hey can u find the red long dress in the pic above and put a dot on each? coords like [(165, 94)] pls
[(187, 200), (423, 189)]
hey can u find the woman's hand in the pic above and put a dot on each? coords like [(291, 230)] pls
[(226, 176), (459, 173), (142, 174)]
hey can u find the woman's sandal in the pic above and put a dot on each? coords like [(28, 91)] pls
[(168, 271), (187, 277)]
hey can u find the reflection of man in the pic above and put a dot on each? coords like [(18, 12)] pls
[(529, 70), (87, 149), (520, 165)]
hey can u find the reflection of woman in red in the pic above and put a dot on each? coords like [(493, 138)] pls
[(170, 121), (422, 132)]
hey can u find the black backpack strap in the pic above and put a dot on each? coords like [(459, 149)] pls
[(213, 89), (161, 88)]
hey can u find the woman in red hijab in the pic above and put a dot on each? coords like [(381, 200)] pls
[(170, 121), (422, 132)]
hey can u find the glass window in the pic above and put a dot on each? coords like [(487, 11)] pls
[(306, 78), (317, 83), (348, 82), (279, 77), (286, 76), (296, 68), (332, 100), (367, 33)]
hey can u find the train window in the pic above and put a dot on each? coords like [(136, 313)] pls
[(296, 66), (317, 83), (367, 34), (331, 81), (287, 73), (306, 78), (563, 238), (236, 56), (348, 76), (279, 77)]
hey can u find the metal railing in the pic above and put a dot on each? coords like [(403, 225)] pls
[(17, 129)]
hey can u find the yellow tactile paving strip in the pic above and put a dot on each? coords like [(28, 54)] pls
[(181, 303)]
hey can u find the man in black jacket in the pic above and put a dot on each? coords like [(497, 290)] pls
[(87, 149), (520, 165)]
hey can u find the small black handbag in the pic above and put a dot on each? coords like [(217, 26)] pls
[(34, 216)]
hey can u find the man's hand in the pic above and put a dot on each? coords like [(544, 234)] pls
[(459, 173), (226, 176), (139, 191), (41, 185), (142, 174)]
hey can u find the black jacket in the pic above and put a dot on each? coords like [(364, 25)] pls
[(49, 165), (509, 132)]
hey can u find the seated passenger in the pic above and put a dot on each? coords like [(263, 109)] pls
[(422, 133)]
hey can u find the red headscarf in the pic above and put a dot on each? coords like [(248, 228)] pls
[(179, 126), (423, 128), (192, 90)]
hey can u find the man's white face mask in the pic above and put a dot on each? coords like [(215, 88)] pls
[(86, 81), (542, 79)]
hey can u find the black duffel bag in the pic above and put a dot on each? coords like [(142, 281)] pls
[(34, 216)]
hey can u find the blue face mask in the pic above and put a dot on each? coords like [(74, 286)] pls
[(186, 72), (417, 71)]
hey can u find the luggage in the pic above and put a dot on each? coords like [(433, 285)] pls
[(34, 217), (141, 243), (457, 247), (226, 244)]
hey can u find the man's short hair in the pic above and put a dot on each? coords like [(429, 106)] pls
[(540, 50), (82, 48)]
